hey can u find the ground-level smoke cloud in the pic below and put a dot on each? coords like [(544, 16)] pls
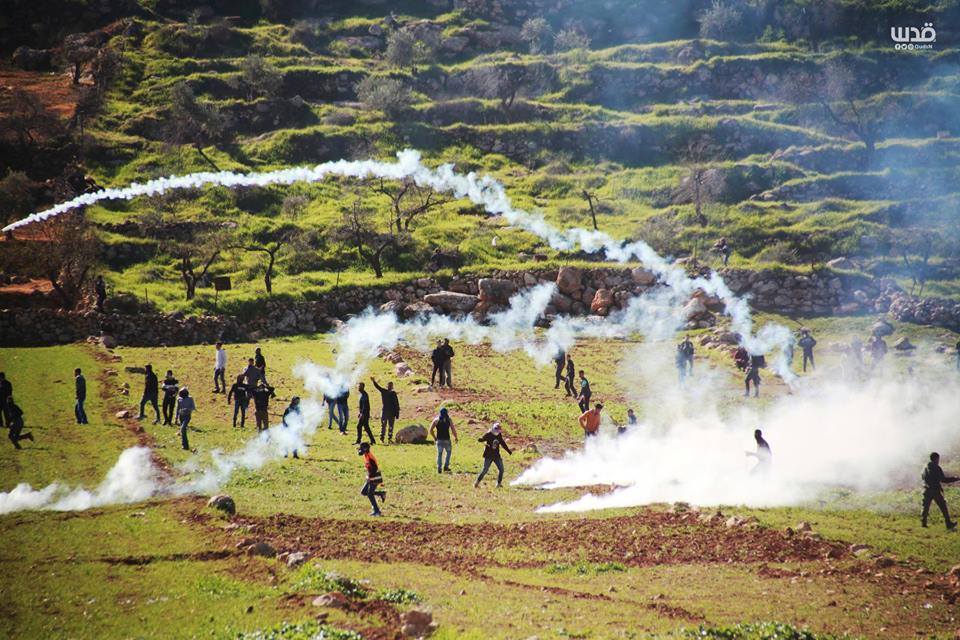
[(870, 436)]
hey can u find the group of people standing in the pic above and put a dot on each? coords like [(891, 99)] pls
[(442, 358)]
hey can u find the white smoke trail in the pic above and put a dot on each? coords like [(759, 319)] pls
[(829, 434), (481, 190), (132, 479), (655, 315)]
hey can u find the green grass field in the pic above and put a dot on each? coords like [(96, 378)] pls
[(481, 560)]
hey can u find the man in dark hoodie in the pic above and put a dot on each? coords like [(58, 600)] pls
[(436, 357), (933, 481), (241, 400), (390, 409), (81, 393), (447, 374), (363, 417), (492, 441), (151, 392)]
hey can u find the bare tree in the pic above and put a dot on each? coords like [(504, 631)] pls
[(31, 120), (358, 229), (260, 77), (269, 242), (194, 259), (408, 201), (194, 122), (699, 184), (62, 251), (77, 50), (837, 90), (592, 201)]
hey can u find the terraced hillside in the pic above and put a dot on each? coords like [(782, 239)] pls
[(795, 130)]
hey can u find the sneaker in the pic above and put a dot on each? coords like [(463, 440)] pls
[(923, 524), (357, 442), (950, 527), (382, 495), (376, 514), (29, 437)]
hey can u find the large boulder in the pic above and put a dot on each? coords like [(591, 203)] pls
[(261, 549), (223, 503), (451, 301), (32, 59), (496, 290), (394, 306), (415, 309), (881, 328), (903, 344), (643, 277), (602, 301), (569, 279), (412, 434)]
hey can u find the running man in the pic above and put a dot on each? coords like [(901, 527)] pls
[(374, 479), (933, 481), (763, 454), (590, 421), (583, 399), (151, 391), (15, 424), (492, 441), (241, 400), (363, 417)]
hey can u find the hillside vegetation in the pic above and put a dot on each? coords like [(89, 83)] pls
[(793, 129)]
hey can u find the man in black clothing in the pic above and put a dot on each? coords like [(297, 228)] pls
[(151, 392), (6, 390), (933, 480), (753, 375), (170, 388), (807, 343), (763, 454), (390, 409), (80, 384), (261, 404), (15, 422), (447, 364), (260, 362), (292, 413), (363, 419), (241, 400), (560, 360), (436, 357), (571, 377), (100, 288)]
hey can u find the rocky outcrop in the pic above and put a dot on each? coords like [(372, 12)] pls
[(412, 434)]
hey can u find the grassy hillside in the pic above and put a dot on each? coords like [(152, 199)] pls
[(632, 112)]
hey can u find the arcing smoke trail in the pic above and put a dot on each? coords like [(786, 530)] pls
[(655, 316), (482, 190)]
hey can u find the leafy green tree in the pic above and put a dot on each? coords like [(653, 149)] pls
[(195, 122)]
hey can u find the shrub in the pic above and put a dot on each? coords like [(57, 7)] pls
[(399, 596), (538, 35), (386, 94), (571, 39), (723, 20)]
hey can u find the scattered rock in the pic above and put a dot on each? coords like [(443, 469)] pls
[(881, 328), (804, 527), (334, 599), (903, 344), (411, 434), (296, 558), (856, 549), (123, 415), (643, 277), (108, 341), (417, 623), (403, 370), (261, 549), (223, 503)]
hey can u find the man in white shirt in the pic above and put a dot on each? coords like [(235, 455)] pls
[(219, 370)]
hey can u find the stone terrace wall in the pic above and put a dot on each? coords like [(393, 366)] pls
[(599, 291)]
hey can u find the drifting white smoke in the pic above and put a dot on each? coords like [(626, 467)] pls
[(132, 479), (655, 315), (865, 437)]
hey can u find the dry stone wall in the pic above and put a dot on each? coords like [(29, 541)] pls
[(599, 291)]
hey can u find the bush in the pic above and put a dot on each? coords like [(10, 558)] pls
[(310, 630), (571, 39), (538, 35), (722, 21), (386, 94), (16, 196), (399, 596)]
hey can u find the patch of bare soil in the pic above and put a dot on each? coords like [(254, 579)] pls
[(644, 539), (54, 91)]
